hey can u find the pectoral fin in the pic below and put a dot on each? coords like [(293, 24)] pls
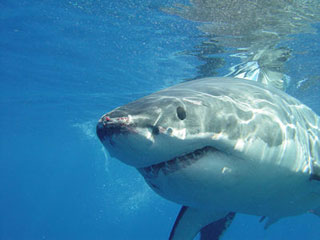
[(316, 211), (210, 224)]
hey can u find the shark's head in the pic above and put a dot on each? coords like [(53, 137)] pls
[(162, 126), (154, 129)]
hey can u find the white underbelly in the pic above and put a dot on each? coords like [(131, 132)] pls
[(233, 184)]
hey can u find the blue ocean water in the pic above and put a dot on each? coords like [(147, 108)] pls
[(65, 63)]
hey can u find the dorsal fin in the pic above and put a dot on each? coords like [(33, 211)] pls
[(190, 221), (265, 65)]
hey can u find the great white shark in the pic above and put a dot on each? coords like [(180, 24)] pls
[(220, 146)]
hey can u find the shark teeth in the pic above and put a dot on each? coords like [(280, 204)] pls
[(175, 164)]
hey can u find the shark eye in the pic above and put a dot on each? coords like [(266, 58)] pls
[(181, 113)]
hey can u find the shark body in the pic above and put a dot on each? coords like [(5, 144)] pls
[(219, 146)]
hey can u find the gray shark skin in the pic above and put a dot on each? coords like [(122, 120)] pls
[(219, 146)]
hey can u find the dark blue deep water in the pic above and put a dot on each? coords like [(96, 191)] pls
[(65, 63)]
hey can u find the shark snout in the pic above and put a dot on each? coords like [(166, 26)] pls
[(107, 127)]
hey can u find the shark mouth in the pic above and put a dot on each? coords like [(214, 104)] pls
[(175, 164)]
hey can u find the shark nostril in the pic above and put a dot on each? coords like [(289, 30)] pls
[(155, 130)]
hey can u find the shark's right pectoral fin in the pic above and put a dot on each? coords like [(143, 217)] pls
[(210, 224)]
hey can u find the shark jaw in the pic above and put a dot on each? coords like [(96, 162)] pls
[(176, 163)]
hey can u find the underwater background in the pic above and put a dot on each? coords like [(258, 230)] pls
[(64, 63)]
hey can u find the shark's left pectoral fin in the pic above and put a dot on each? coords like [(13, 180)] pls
[(270, 221), (316, 211), (210, 224), (214, 230)]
